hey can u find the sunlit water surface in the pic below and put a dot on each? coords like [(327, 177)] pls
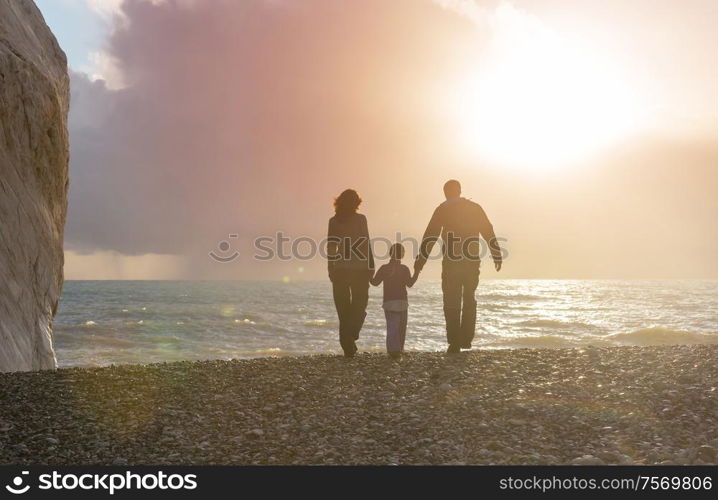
[(106, 322)]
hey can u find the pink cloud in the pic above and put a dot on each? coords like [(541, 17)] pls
[(249, 116)]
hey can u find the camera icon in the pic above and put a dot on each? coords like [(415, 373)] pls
[(16, 488), (222, 254)]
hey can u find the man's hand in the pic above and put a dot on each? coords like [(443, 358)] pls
[(370, 274), (497, 265), (417, 266)]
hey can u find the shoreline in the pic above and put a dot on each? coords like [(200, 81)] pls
[(594, 405)]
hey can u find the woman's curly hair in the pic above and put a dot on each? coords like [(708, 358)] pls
[(347, 203)]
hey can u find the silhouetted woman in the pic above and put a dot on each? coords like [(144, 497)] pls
[(351, 266)]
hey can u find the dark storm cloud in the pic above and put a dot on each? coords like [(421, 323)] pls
[(249, 116)]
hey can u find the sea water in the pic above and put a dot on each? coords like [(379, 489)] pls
[(114, 322)]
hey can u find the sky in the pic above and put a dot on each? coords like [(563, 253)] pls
[(587, 130)]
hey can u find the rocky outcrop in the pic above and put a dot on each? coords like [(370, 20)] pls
[(34, 97)]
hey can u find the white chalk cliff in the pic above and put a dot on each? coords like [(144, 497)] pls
[(34, 98)]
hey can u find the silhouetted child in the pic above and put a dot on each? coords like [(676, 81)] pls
[(396, 277)]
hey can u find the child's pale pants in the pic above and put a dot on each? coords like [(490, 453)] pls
[(395, 330)]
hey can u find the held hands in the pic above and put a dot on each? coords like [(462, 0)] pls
[(412, 279), (418, 265)]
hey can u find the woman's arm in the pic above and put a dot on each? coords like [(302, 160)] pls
[(370, 254)]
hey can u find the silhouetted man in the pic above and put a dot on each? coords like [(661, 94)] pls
[(459, 222)]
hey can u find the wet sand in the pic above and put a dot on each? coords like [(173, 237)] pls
[(620, 405)]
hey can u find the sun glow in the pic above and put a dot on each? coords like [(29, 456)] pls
[(539, 100)]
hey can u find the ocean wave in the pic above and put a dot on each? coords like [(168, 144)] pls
[(509, 296), (553, 323), (166, 339), (245, 321), (496, 307), (252, 317), (316, 322), (660, 335), (107, 341), (84, 331), (426, 323)]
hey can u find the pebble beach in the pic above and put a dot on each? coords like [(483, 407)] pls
[(608, 405)]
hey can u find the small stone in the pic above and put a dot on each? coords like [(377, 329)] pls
[(687, 378), (706, 453), (445, 387), (587, 460), (255, 433), (494, 445), (609, 457)]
